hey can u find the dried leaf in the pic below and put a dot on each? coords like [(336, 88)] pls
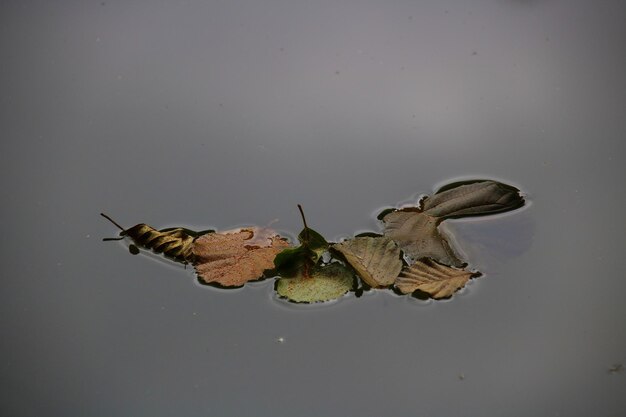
[(231, 259), (375, 259), (323, 284), (175, 243), (472, 198), (416, 233), (415, 229), (439, 281)]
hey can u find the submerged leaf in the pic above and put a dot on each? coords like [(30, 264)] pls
[(376, 259), (323, 284), (439, 281), (231, 259), (416, 233), (291, 260), (473, 198)]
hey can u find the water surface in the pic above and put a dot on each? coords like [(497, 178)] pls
[(218, 114)]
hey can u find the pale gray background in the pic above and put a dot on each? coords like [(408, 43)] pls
[(222, 113)]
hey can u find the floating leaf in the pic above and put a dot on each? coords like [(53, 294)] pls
[(472, 198), (292, 261), (375, 259), (175, 243), (415, 229), (315, 242), (439, 281), (322, 284), (416, 233), (231, 259)]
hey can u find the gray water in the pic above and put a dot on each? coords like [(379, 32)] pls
[(219, 114)]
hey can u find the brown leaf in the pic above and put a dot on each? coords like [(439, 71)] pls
[(439, 281), (230, 259), (415, 229), (473, 198), (175, 243), (417, 235), (376, 259)]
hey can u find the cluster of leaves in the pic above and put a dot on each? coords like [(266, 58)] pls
[(410, 256)]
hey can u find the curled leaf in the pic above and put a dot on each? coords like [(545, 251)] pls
[(175, 243), (439, 281), (231, 259), (375, 259), (324, 283), (473, 198), (415, 229)]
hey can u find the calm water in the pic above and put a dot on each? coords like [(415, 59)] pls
[(218, 114)]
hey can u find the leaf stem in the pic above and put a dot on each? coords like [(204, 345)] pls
[(306, 228), (112, 221)]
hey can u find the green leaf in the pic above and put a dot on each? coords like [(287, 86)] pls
[(322, 284), (312, 240), (291, 260), (303, 258)]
